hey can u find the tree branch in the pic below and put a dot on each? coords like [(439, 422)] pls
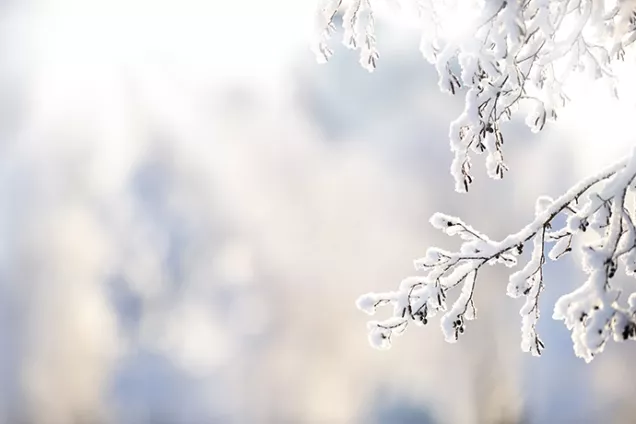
[(591, 312)]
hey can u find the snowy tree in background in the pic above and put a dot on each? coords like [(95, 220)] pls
[(503, 54)]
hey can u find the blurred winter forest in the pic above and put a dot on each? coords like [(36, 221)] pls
[(191, 205)]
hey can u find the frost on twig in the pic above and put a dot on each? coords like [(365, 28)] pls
[(359, 30), (509, 52), (594, 312)]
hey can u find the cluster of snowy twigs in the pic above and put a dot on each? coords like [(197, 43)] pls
[(592, 312), (511, 51), (517, 51)]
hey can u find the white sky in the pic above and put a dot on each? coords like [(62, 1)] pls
[(248, 38)]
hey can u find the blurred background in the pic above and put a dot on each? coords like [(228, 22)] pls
[(190, 206)]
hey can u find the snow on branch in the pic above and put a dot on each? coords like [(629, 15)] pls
[(593, 312), (359, 30), (502, 52)]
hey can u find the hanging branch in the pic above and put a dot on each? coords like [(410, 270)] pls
[(511, 52)]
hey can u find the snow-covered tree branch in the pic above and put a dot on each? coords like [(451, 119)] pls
[(592, 312), (508, 53), (505, 53)]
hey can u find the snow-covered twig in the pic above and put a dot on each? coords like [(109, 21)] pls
[(359, 30), (592, 312)]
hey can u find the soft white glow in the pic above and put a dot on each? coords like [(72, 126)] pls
[(457, 18), (599, 125), (246, 38)]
